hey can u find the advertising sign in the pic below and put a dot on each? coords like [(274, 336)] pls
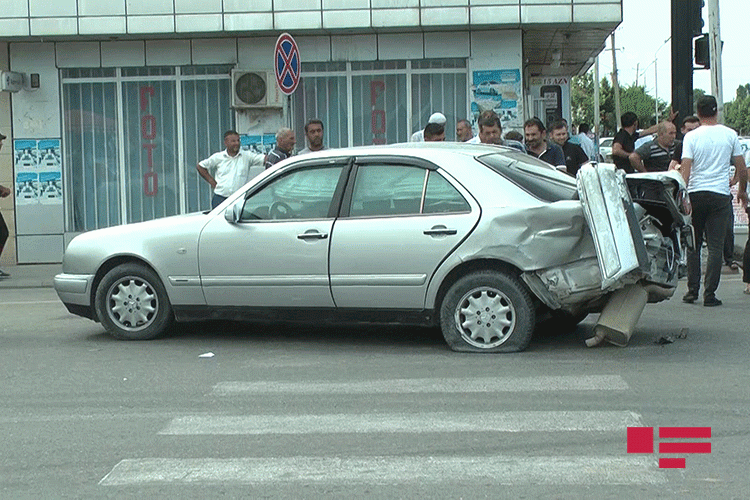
[(498, 90)]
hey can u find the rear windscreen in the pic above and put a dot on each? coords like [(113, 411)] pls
[(533, 175)]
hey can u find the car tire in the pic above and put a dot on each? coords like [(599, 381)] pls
[(502, 305), (132, 303)]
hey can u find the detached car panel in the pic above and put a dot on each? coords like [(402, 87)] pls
[(483, 241)]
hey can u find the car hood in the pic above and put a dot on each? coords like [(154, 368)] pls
[(151, 240)]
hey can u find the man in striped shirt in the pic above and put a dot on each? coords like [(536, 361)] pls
[(285, 141), (655, 155)]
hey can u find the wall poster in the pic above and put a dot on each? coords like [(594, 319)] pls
[(38, 171), (498, 90)]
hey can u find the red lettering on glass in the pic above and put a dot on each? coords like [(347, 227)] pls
[(148, 127), (150, 157), (150, 183), (377, 116), (144, 100), (148, 132)]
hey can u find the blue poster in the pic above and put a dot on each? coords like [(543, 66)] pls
[(500, 91), (38, 171), (262, 144)]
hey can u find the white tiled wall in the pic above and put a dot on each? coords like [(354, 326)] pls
[(20, 18), (6, 167)]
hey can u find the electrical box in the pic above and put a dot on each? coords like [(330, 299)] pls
[(10, 81)]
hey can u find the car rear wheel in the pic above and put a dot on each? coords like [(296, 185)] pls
[(487, 311), (132, 304)]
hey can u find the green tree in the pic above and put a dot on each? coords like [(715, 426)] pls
[(582, 102), (635, 99), (737, 112)]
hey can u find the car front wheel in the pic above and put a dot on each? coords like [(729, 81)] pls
[(132, 304), (487, 311)]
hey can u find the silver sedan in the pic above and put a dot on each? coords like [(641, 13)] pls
[(482, 241)]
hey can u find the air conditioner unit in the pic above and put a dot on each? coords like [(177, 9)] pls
[(255, 89)]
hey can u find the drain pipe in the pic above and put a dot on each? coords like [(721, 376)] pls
[(619, 317)]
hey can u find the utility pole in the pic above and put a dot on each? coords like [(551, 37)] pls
[(597, 111), (615, 85), (656, 93), (714, 50), (637, 71)]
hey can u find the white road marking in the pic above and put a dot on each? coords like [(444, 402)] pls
[(511, 421), (31, 302), (430, 385), (507, 470)]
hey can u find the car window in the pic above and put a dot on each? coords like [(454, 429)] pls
[(387, 190), (606, 143), (442, 197), (535, 176), (301, 194), (381, 190)]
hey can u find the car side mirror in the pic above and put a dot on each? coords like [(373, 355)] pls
[(233, 212)]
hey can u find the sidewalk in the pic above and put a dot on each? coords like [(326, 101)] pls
[(30, 275)]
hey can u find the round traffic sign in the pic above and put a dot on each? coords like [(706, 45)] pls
[(286, 63)]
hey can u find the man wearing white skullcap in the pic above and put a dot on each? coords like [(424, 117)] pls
[(438, 118)]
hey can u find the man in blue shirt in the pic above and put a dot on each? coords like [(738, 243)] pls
[(535, 134)]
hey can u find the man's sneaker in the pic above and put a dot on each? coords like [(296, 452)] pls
[(690, 297), (3, 274), (711, 302)]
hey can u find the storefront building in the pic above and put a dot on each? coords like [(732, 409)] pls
[(119, 99)]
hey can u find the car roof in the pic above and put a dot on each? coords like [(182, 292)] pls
[(433, 151)]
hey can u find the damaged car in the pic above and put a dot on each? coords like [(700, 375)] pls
[(481, 241)]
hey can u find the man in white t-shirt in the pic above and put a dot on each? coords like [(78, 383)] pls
[(706, 155), (228, 170)]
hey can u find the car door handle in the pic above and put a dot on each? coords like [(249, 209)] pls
[(440, 231), (312, 235)]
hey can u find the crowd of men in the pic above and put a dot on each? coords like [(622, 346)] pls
[(228, 170)]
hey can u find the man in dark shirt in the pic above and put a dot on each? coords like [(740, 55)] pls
[(624, 141), (655, 155), (285, 142), (574, 154), (689, 123), (535, 134)]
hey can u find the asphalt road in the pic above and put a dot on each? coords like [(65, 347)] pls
[(288, 412)]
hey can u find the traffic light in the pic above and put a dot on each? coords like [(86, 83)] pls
[(702, 54), (695, 16)]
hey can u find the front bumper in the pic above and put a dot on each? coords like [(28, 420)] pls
[(74, 291)]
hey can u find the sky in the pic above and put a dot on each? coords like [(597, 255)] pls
[(640, 40)]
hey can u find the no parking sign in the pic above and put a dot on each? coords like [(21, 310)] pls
[(286, 63)]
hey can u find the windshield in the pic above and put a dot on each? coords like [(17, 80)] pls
[(533, 175)]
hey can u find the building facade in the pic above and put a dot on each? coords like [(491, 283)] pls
[(121, 98)]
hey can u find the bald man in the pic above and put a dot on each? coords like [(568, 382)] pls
[(655, 155)]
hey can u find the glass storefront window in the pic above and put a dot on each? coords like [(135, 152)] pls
[(379, 114), (150, 146), (132, 136), (389, 99), (90, 152), (323, 98), (134, 159)]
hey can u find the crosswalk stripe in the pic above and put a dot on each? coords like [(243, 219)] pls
[(430, 385), (501, 470), (512, 421)]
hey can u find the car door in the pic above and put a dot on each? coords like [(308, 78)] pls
[(275, 254), (399, 221)]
